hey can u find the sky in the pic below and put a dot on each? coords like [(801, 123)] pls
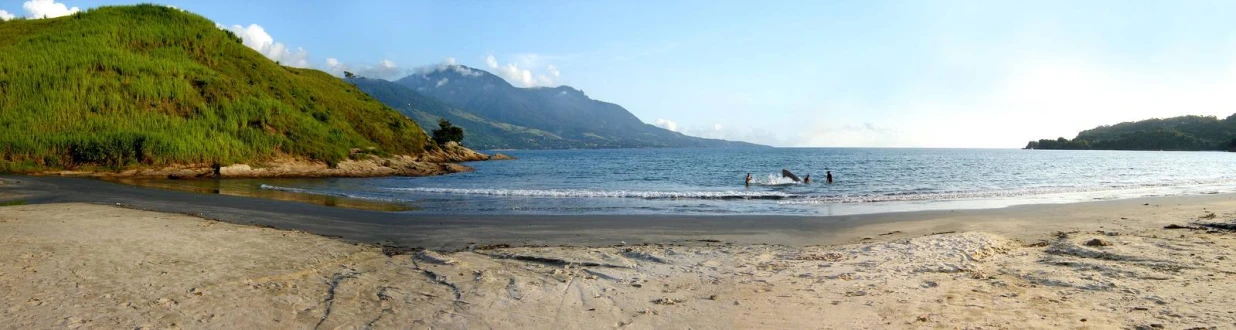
[(969, 74)]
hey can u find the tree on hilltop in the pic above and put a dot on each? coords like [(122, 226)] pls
[(447, 132)]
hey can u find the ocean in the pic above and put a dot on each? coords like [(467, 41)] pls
[(711, 181)]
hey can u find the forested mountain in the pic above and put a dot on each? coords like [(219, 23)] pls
[(562, 116), (1176, 133), (149, 85), (479, 132)]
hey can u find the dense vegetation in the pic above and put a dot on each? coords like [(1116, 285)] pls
[(447, 132), (563, 117), (148, 85), (1176, 133)]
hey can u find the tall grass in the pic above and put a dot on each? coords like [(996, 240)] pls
[(147, 85)]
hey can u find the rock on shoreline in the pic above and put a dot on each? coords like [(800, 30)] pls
[(433, 162)]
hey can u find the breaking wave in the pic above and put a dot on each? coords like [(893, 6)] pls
[(787, 198), (576, 193), (324, 193), (791, 198)]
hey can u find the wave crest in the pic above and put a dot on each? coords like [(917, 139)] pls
[(576, 193)]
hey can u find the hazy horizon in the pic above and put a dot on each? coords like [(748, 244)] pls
[(944, 74)]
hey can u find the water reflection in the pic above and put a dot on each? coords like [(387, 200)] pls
[(253, 188)]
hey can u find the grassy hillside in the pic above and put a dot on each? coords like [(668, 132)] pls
[(1176, 133), (147, 85)]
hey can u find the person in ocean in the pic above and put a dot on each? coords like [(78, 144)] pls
[(807, 179), (829, 176), (748, 179)]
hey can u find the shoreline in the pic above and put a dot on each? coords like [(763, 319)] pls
[(432, 162), (77, 265), (79, 260), (446, 232)]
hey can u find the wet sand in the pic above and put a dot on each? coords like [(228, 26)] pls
[(1097, 265), (74, 265)]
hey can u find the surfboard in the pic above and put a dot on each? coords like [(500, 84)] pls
[(786, 173)]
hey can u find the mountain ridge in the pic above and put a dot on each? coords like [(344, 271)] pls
[(479, 132), (562, 111)]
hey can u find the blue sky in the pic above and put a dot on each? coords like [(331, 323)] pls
[(793, 73)]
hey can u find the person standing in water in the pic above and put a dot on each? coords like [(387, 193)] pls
[(807, 179), (829, 176), (748, 179)]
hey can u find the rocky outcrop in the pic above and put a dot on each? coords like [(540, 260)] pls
[(452, 152), (498, 156), (293, 168), (373, 166), (362, 163)]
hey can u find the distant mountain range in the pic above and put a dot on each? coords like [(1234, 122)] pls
[(496, 115), (1176, 133)]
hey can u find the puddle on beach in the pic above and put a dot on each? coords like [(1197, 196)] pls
[(253, 188)]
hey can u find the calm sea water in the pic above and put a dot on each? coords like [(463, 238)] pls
[(710, 181)]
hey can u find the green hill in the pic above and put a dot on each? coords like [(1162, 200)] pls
[(150, 86), (1176, 133)]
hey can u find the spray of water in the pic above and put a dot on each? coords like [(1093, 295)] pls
[(773, 179)]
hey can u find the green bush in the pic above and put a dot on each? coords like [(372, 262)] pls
[(447, 132)]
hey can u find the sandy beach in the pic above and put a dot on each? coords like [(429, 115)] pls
[(1094, 265)]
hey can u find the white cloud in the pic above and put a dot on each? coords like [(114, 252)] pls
[(333, 66), (442, 82), (447, 64), (543, 80), (521, 76), (254, 36), (667, 124), (4, 16), (47, 9), (384, 69)]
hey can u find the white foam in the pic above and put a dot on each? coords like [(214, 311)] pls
[(323, 193), (576, 193), (774, 180), (783, 198), (1121, 191)]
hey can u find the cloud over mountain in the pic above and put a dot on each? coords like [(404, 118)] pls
[(521, 75), (384, 69), (667, 124), (447, 64), (256, 37)]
